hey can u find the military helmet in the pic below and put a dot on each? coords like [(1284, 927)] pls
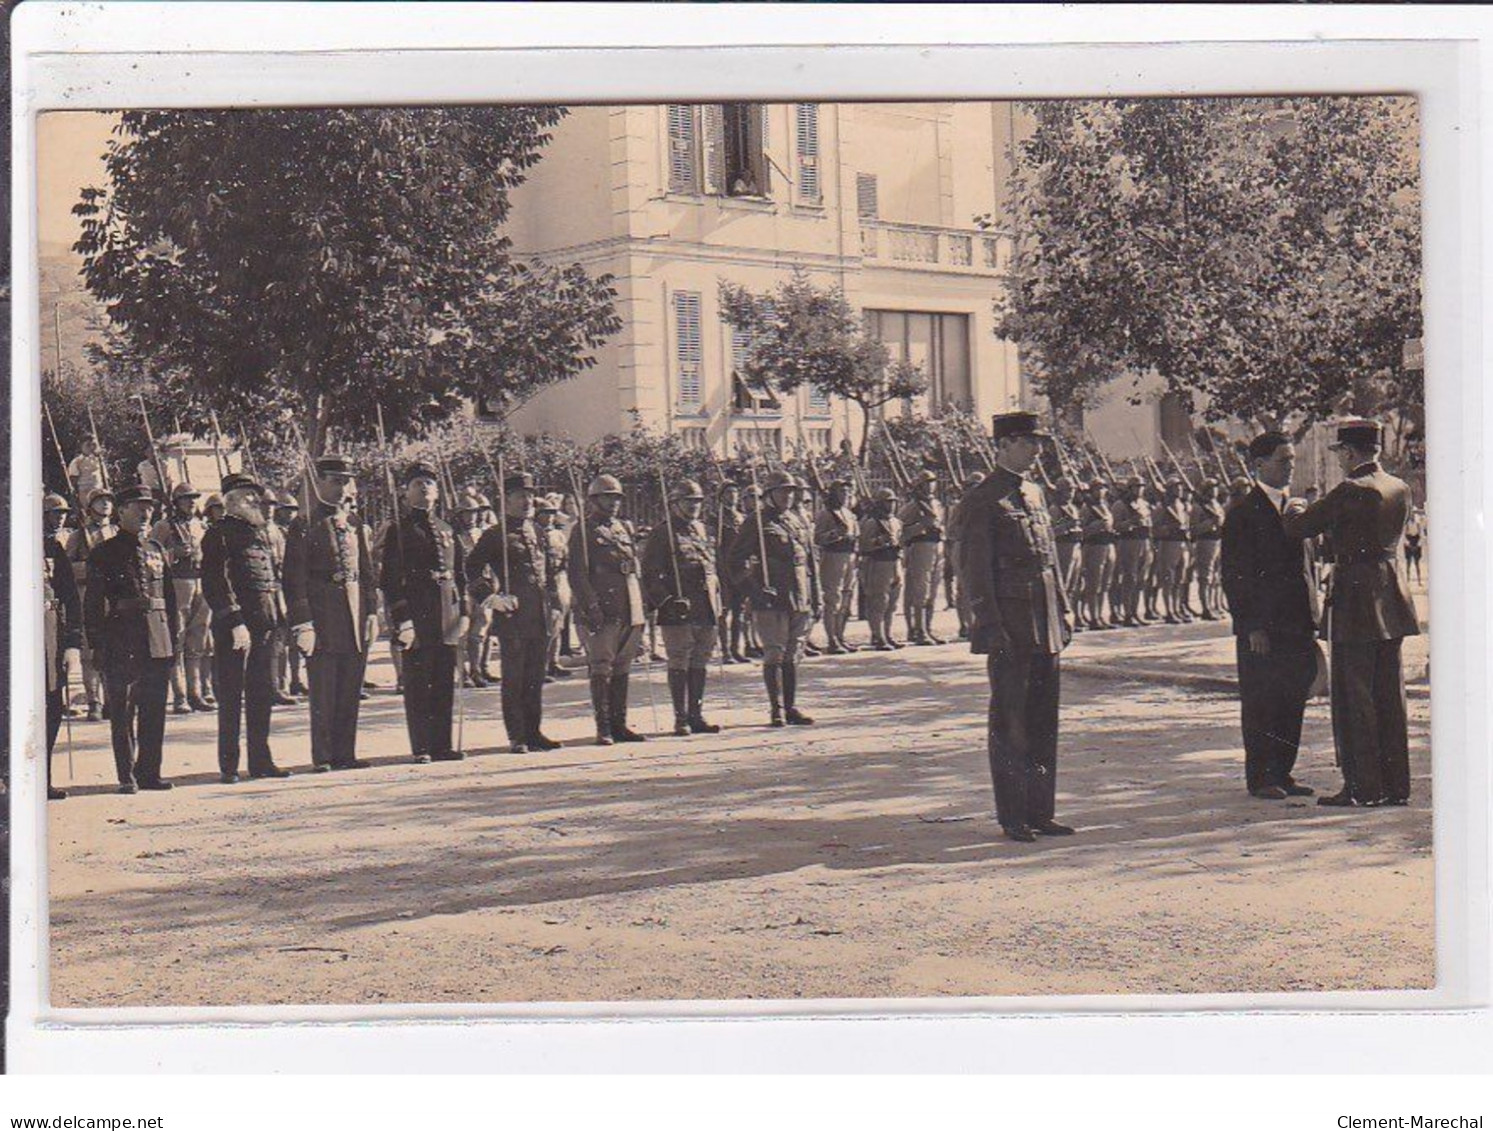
[(54, 502), (184, 491), (884, 495), (213, 500), (546, 504), (686, 489), (780, 479), (604, 485), (95, 495), (287, 502)]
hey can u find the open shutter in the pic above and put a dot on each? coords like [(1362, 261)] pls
[(688, 352), (713, 127), (682, 150), (806, 119)]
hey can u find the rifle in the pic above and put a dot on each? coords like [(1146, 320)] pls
[(498, 476), (62, 459), (1175, 462), (894, 457), (243, 441), (155, 454), (1109, 471), (181, 452), (761, 534), (308, 467), (103, 464), (1223, 471), (219, 456), (663, 492)]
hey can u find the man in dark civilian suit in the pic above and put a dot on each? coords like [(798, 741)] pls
[(424, 590), (1019, 620), (329, 587), (1368, 614), (1269, 588)]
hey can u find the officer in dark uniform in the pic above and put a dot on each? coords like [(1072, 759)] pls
[(508, 573), (783, 590), (241, 584), (1008, 563), (329, 588), (424, 586), (608, 605), (128, 614), (62, 612), (679, 582), (1369, 612)]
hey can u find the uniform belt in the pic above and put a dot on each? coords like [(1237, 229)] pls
[(888, 554), (1099, 539), (139, 604), (337, 578), (840, 548), (934, 537), (1171, 538), (1134, 536), (1364, 557), (1210, 536), (436, 574), (271, 587), (1070, 539)]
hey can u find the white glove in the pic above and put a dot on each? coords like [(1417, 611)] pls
[(305, 639), (502, 603), (405, 636), (240, 638)]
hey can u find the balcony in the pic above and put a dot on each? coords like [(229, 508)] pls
[(926, 247)]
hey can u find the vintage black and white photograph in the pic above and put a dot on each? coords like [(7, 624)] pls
[(735, 551)]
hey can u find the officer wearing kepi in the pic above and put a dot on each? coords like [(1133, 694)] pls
[(62, 613), (241, 585), (1008, 564), (679, 581), (508, 573), (424, 584), (772, 561), (128, 614), (608, 605), (329, 588)]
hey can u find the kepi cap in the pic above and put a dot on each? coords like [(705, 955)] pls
[(335, 466), (421, 469), (1005, 424), (1358, 432), (136, 493), (238, 481)]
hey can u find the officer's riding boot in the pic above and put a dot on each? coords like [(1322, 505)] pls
[(696, 688), (618, 698), (601, 707), (736, 653), (772, 675), (678, 690), (790, 696)]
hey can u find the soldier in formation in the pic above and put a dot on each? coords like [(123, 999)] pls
[(836, 532), (181, 532), (922, 522), (98, 527), (62, 625), (881, 566)]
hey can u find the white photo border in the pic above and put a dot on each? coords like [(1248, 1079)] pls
[(162, 55)]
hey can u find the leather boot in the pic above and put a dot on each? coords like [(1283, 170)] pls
[(621, 732), (791, 713), (678, 690), (601, 707), (772, 675), (696, 687)]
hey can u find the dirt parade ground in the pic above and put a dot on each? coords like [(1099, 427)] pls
[(857, 858)]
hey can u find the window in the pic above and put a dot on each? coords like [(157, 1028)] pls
[(684, 175), (866, 206), (816, 402), (688, 353), (744, 149), (806, 147), (937, 343), (745, 398)]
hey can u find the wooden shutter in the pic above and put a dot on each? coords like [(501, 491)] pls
[(688, 353), (806, 117), (682, 150), (866, 205), (713, 129)]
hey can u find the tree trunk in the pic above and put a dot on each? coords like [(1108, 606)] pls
[(865, 453)]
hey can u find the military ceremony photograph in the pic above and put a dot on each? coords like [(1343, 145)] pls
[(734, 551)]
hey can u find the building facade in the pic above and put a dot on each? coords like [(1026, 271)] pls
[(880, 200)]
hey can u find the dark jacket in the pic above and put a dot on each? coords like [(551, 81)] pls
[(60, 596), (1264, 572), (527, 575), (604, 571), (1008, 568), (329, 580), (791, 570), (1365, 515), (130, 605), (241, 577), (696, 582), (422, 578)]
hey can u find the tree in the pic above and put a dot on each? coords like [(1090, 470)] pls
[(280, 265), (800, 334), (1259, 254)]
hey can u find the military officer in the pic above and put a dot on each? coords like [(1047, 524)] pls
[(680, 583), (329, 589), (835, 534), (1132, 521), (128, 612), (1098, 532), (98, 526), (728, 524), (423, 579), (881, 566), (922, 520), (772, 561), (508, 573), (1369, 612), (241, 586), (608, 607), (1008, 563), (213, 509), (1172, 530), (62, 613), (181, 531)]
